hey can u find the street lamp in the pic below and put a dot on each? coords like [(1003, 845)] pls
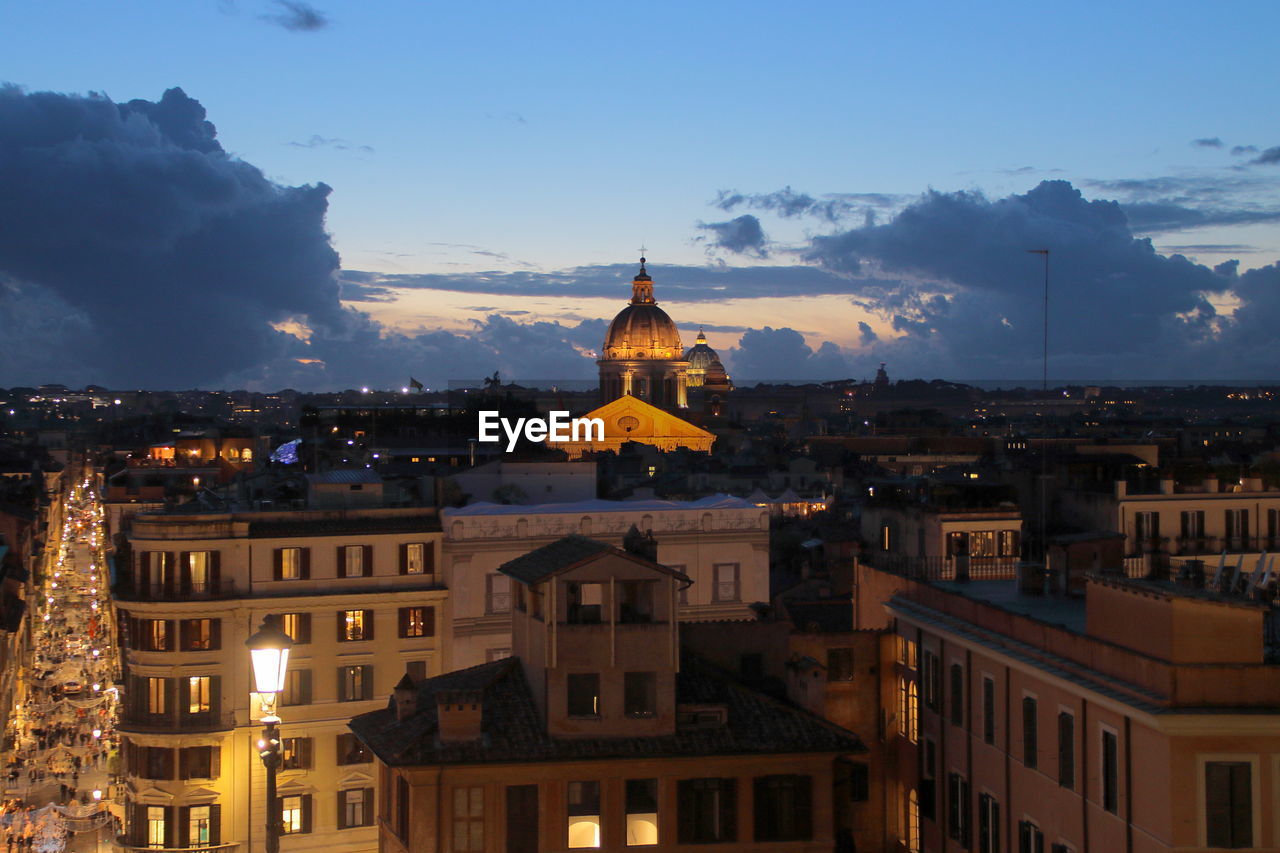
[(269, 653)]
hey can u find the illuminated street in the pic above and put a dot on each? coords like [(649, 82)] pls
[(60, 743)]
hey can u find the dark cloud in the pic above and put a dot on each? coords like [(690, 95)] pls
[(741, 235), (296, 16), (866, 334), (956, 281), (782, 355), (1207, 142), (1176, 203), (788, 203), (1240, 150), (1211, 248), (316, 141), (1270, 157)]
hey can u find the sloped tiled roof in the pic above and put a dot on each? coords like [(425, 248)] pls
[(513, 732), (549, 559)]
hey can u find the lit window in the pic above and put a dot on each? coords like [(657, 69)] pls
[(355, 807), (155, 826), (198, 570), (156, 696), (913, 822), (353, 625), (291, 815), (642, 812), (584, 814), (414, 558), (290, 564), (198, 694), (353, 561), (584, 694), (199, 823), (726, 580)]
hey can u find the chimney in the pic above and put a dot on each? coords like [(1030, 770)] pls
[(458, 713), (406, 696), (641, 544)]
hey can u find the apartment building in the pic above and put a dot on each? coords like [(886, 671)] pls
[(1141, 716), (942, 530), (1172, 522), (598, 733), (720, 543), (359, 590)]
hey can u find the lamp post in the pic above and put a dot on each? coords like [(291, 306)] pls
[(269, 653)]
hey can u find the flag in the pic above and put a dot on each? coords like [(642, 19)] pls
[(415, 384)]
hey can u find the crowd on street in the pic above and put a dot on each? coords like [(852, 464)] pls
[(60, 744)]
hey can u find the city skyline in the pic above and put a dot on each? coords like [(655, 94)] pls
[(460, 193)]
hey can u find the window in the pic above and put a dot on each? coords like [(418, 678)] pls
[(1110, 772), (351, 751), (416, 558), (958, 808), (584, 602), (297, 626), (1146, 527), (291, 564), (635, 602), (1237, 527), (522, 819), (351, 561), (913, 822), (200, 635), (1066, 750), (859, 782), (839, 664), (415, 669), (988, 824), (157, 761), (957, 694), (468, 819), (355, 683), (584, 694), (295, 753), (783, 808), (726, 588), (908, 709), (707, 810), (584, 814), (1193, 524), (988, 710), (199, 700), (297, 687), (155, 635), (929, 779), (1030, 739), (497, 598), (1007, 541), (295, 814), (198, 570), (931, 680), (401, 812), (417, 622), (1228, 804), (354, 625), (886, 536), (1030, 838), (640, 694), (156, 826), (200, 826), (199, 762), (156, 691), (642, 812), (982, 543), (355, 808), (491, 655)]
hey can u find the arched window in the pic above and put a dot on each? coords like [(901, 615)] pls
[(232, 453), (246, 455), (522, 528), (584, 526), (913, 712), (706, 521), (646, 524), (913, 821)]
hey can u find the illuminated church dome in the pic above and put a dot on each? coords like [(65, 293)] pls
[(642, 329), (705, 367), (642, 355)]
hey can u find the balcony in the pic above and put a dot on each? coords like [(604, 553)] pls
[(121, 843), (207, 591), (208, 721), (944, 568), (1186, 546)]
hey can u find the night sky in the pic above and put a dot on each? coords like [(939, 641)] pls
[(282, 194)]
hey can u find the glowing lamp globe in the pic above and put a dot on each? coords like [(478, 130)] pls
[(269, 652)]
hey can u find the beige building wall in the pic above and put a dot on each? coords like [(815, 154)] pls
[(246, 587), (721, 544)]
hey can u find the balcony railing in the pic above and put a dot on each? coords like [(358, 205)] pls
[(1198, 545), (945, 568), (206, 721), (206, 591), (121, 843)]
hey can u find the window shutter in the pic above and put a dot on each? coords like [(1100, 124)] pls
[(184, 634), (403, 626), (308, 753), (341, 561), (135, 636), (304, 628), (729, 808), (342, 627), (366, 562), (686, 827), (428, 558), (171, 696), (429, 621), (366, 680), (215, 818), (404, 558), (184, 826), (170, 826), (170, 635), (144, 583), (304, 678), (343, 695), (306, 812), (277, 564), (215, 695), (1242, 804), (215, 633), (804, 807), (368, 807), (304, 557), (368, 624), (184, 765), (215, 572), (184, 572), (215, 762), (342, 810), (170, 576)]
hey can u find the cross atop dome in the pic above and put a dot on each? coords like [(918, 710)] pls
[(642, 285)]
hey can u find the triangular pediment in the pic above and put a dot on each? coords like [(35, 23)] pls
[(354, 777), (199, 794), (151, 795), (632, 418)]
